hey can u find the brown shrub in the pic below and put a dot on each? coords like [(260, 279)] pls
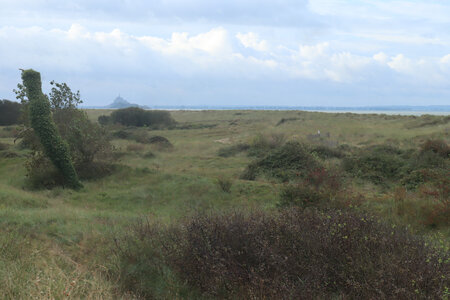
[(439, 147), (291, 254)]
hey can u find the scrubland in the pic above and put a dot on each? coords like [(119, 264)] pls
[(238, 204)]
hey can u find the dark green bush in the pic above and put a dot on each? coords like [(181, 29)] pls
[(134, 116), (291, 254), (159, 142), (104, 120), (290, 161), (379, 164), (9, 112)]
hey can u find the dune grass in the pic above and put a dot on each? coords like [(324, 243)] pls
[(58, 243)]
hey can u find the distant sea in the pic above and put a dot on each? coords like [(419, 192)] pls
[(388, 110)]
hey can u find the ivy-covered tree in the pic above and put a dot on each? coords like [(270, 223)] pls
[(45, 129)]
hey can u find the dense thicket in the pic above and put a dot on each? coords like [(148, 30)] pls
[(9, 112), (134, 116), (90, 149), (292, 254)]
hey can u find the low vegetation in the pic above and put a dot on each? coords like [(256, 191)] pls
[(226, 204)]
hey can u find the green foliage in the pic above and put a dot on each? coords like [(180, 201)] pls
[(44, 127), (9, 112), (134, 116), (61, 96), (88, 142)]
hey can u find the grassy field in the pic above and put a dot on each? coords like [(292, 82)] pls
[(59, 243)]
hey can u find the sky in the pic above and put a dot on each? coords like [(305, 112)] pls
[(234, 52)]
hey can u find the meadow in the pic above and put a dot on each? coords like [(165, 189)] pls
[(59, 243)]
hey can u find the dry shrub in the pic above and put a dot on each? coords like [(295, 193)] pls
[(306, 254), (438, 215), (291, 254), (439, 147)]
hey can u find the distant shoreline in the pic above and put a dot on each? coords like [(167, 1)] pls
[(388, 110)]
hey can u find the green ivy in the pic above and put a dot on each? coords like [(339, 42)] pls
[(41, 121)]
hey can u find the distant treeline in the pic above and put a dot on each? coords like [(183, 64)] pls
[(10, 112), (134, 116)]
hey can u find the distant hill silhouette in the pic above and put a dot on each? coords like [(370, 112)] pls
[(119, 102)]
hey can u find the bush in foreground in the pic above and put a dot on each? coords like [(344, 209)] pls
[(291, 254)]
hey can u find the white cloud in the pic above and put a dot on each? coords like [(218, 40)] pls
[(401, 64), (446, 59), (214, 54), (381, 57), (214, 42), (252, 40)]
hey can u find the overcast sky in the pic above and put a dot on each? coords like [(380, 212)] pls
[(233, 52)]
